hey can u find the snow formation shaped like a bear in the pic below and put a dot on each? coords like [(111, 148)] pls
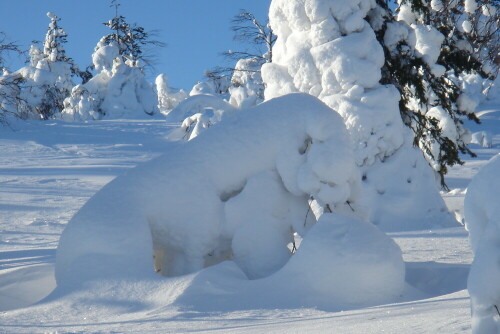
[(240, 189)]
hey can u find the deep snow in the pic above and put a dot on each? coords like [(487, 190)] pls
[(49, 170)]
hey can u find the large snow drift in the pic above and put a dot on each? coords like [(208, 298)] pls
[(482, 217), (247, 181)]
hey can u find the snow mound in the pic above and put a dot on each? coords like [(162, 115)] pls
[(343, 263), (482, 217), (197, 205), (347, 261)]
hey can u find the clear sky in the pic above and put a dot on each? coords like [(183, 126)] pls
[(195, 31)]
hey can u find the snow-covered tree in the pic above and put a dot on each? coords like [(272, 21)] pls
[(259, 37), (119, 89), (426, 51), (9, 85), (47, 80), (246, 87), (220, 81), (132, 40), (11, 103), (326, 48), (5, 48)]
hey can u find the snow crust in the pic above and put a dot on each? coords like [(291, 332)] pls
[(194, 207), (318, 52), (482, 217)]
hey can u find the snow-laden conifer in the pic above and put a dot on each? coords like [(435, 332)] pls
[(429, 48), (326, 48), (47, 80), (119, 89)]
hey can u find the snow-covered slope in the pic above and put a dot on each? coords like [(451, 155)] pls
[(48, 171)]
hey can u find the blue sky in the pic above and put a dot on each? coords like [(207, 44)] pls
[(195, 31)]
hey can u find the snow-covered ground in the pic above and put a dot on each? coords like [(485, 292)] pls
[(49, 170)]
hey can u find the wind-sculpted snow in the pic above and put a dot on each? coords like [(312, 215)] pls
[(241, 188), (327, 49), (482, 217)]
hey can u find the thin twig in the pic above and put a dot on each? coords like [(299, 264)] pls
[(308, 210)]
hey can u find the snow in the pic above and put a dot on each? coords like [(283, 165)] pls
[(482, 217), (50, 170), (470, 6), (197, 113), (306, 212), (168, 98)]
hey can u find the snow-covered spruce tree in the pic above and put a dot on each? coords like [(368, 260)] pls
[(132, 40), (426, 50), (119, 89), (326, 48), (480, 22), (47, 80)]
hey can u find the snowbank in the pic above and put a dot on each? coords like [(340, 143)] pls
[(195, 206), (482, 217)]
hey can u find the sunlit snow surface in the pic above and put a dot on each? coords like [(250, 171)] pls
[(49, 170)]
